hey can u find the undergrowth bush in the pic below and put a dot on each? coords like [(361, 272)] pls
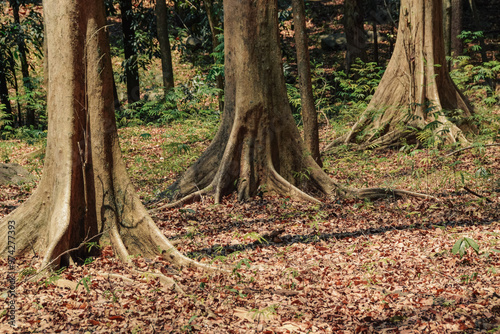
[(477, 81), (194, 100)]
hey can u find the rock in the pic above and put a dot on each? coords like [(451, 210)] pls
[(13, 173), (193, 43), (333, 42)]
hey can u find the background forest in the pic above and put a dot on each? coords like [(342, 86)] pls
[(424, 261)]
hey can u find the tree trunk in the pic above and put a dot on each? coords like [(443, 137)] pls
[(354, 32), (309, 115), (375, 43), (4, 90), (131, 68), (258, 146), (447, 29), (415, 88), (457, 46), (166, 57), (477, 23), (21, 46), (84, 194), (215, 26)]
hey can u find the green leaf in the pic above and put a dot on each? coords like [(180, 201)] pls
[(457, 247), (472, 244)]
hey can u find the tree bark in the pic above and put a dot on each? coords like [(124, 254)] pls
[(354, 32), (21, 46), (215, 26), (258, 147), (131, 68), (457, 46), (164, 41), (84, 193), (447, 12), (415, 88), (309, 115), (4, 90), (477, 23)]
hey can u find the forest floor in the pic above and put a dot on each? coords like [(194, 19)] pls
[(348, 266)]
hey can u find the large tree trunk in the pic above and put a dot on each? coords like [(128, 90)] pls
[(309, 115), (21, 46), (215, 26), (354, 32), (84, 193), (131, 68), (166, 56), (415, 88), (258, 146)]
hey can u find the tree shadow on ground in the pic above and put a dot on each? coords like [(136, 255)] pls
[(287, 239)]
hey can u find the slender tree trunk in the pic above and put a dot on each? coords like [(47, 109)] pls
[(166, 57), (21, 45), (477, 23), (416, 86), (131, 68), (4, 90), (375, 43), (215, 27), (447, 12), (309, 115), (457, 46), (115, 96), (354, 32), (84, 194)]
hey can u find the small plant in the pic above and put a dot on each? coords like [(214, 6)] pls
[(85, 281), (460, 247), (468, 278), (54, 277), (238, 266)]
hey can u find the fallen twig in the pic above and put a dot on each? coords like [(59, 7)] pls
[(476, 194), (468, 148)]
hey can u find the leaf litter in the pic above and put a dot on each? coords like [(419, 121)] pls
[(349, 266)]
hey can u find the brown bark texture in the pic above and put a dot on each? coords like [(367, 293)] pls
[(85, 193), (416, 92), (131, 68), (258, 146), (309, 115), (164, 41), (457, 45), (215, 27), (354, 32)]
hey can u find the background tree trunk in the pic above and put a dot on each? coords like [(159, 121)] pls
[(415, 87), (447, 12), (131, 68), (21, 45), (309, 115), (457, 45), (215, 27), (4, 90), (477, 23), (354, 32), (166, 56), (84, 194)]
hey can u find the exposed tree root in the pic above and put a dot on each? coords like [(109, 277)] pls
[(468, 148), (377, 193)]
